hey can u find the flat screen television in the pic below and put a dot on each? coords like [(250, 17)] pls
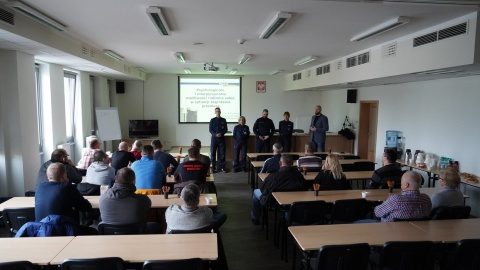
[(142, 128)]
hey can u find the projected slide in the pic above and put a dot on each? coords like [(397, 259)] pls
[(199, 96)]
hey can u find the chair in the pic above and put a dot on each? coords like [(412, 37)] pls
[(111, 229), (364, 166), (400, 255), (30, 193), (450, 212), (395, 176), (342, 257), (295, 157), (221, 263), (351, 157), (263, 157), (14, 218), (467, 255), (110, 263), (322, 156), (190, 264), (17, 265), (348, 167), (301, 213), (348, 211)]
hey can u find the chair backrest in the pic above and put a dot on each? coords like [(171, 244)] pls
[(17, 265), (467, 254), (186, 264), (322, 156), (351, 157), (207, 229), (307, 213), (395, 176), (416, 255), (30, 193), (343, 257), (263, 157), (14, 218), (295, 157), (450, 212), (348, 211), (364, 166), (111, 263), (347, 167), (110, 229)]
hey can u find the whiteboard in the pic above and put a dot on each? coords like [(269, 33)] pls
[(108, 124)]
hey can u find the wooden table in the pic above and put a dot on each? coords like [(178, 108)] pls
[(158, 201), (357, 175), (450, 231), (140, 248), (37, 250), (431, 173)]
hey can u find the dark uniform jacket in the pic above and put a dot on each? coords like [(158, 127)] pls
[(286, 179), (264, 127), (241, 133)]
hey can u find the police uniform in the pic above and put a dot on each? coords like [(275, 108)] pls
[(286, 131), (240, 134), (263, 127), (218, 125)]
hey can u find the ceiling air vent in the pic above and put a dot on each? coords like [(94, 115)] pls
[(456, 30), (338, 65), (389, 50), (425, 39), (7, 16), (84, 50)]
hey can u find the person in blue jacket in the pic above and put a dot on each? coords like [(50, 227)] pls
[(218, 128), (241, 132)]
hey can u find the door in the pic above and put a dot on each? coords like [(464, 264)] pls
[(367, 131)]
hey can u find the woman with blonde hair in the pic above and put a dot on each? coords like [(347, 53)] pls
[(137, 149), (450, 195), (332, 177)]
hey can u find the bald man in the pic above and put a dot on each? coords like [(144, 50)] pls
[(58, 196), (318, 129), (410, 204), (122, 157)]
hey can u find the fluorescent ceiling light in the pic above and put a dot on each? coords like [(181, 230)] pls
[(381, 28), (275, 72), (305, 60), (179, 57), (244, 59), (113, 55), (278, 22), (36, 15), (233, 71), (187, 71), (155, 14)]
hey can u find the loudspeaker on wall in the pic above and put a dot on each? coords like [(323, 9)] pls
[(120, 87), (352, 96)]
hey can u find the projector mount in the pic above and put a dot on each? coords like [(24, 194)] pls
[(210, 67)]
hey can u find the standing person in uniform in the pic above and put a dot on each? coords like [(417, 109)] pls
[(263, 129), (318, 129), (285, 128), (241, 132), (218, 128)]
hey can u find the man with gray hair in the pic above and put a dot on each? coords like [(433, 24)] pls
[(190, 216), (310, 160), (272, 164)]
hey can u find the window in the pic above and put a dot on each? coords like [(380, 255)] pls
[(38, 89), (69, 83)]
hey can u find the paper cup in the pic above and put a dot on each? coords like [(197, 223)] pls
[(365, 194), (208, 200)]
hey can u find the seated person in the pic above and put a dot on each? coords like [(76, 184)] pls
[(288, 178), (166, 159), (272, 164), (202, 158), (410, 204), (389, 169), (310, 160), (190, 216), (87, 155), (332, 177), (149, 173), (450, 195), (137, 149), (58, 197), (192, 169), (122, 158), (120, 205), (99, 173), (61, 156)]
